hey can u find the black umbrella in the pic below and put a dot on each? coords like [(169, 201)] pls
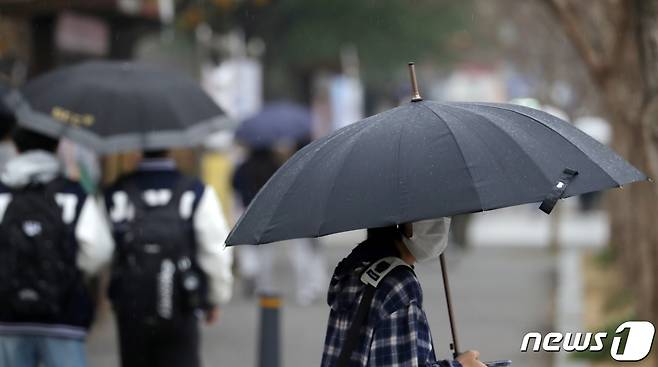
[(117, 106), (426, 160)]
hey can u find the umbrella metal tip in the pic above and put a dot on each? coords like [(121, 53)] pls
[(415, 93)]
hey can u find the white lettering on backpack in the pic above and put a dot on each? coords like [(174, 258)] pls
[(166, 288), (121, 208), (157, 197), (68, 203)]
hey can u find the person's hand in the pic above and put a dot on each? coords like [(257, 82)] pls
[(470, 358), (212, 315)]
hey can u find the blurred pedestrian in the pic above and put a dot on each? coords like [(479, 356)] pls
[(376, 301), (310, 267), (170, 266), (255, 262), (309, 261), (52, 235), (7, 122)]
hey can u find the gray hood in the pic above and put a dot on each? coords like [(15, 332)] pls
[(33, 166)]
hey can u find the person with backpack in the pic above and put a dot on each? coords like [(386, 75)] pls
[(376, 301), (170, 265), (52, 236)]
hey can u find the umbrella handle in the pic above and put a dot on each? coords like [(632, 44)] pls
[(446, 286)]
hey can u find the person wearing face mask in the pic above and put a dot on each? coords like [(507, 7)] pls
[(376, 316)]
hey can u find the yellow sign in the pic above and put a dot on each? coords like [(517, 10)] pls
[(69, 117)]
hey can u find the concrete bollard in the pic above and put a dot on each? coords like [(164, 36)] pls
[(269, 345)]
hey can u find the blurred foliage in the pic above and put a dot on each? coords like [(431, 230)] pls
[(305, 35), (620, 297), (605, 257)]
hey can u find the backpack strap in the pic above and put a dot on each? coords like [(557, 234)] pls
[(49, 188), (55, 186), (371, 278), (134, 195), (183, 184)]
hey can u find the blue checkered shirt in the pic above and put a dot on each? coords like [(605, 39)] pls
[(396, 334)]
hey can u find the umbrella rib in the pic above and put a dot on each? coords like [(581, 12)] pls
[(339, 170), (400, 206), (554, 131), (267, 225), (107, 109), (505, 133), (468, 169)]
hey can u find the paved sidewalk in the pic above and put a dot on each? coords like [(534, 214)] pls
[(499, 295)]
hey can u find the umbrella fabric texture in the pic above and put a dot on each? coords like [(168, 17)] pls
[(276, 122), (118, 106), (426, 160)]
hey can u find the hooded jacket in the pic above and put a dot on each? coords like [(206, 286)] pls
[(396, 332), (89, 236)]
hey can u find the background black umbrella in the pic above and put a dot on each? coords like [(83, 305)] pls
[(117, 106), (276, 122), (426, 160)]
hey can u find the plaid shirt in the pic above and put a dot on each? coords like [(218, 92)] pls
[(397, 333)]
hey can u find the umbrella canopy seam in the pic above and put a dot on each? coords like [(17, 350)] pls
[(549, 180), (337, 174), (314, 151), (554, 131), (461, 152), (401, 206)]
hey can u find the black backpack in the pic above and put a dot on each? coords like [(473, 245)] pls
[(155, 278), (37, 261)]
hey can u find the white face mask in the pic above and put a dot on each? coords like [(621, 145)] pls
[(429, 239)]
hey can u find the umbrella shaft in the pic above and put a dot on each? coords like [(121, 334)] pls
[(446, 287)]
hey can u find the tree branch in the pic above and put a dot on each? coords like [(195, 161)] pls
[(621, 30), (589, 55)]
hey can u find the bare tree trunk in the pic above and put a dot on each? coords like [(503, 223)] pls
[(621, 57)]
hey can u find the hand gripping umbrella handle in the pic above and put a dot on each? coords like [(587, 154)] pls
[(446, 286)]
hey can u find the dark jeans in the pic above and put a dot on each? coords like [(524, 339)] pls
[(159, 346), (46, 351)]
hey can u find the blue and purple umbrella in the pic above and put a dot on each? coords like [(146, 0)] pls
[(277, 122)]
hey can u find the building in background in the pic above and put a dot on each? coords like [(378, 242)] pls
[(40, 35)]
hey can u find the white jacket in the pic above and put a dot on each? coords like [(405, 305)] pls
[(209, 224), (95, 244)]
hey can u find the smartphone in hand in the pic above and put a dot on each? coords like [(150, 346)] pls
[(498, 363)]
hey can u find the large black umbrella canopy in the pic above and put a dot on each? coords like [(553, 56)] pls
[(425, 160), (114, 106)]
